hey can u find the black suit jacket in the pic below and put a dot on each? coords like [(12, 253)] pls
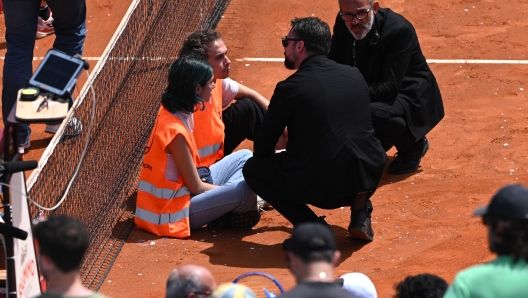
[(331, 148), (392, 63)]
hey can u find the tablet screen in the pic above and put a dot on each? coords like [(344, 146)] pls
[(56, 72)]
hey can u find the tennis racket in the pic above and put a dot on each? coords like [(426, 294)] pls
[(263, 284)]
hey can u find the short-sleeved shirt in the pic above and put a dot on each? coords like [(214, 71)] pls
[(501, 278), (229, 91), (317, 290)]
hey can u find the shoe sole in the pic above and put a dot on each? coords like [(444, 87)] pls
[(42, 35), (360, 235)]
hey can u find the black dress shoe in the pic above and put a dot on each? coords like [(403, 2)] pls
[(361, 223), (409, 161)]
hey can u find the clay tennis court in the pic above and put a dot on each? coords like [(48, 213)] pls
[(422, 220)]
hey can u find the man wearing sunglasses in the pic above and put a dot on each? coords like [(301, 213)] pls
[(405, 99), (332, 157)]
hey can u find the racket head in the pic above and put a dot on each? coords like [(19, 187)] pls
[(260, 283)]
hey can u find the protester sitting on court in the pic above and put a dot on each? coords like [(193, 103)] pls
[(421, 286), (358, 284), (222, 126), (190, 281), (312, 255), (62, 243), (173, 198), (233, 290), (506, 220)]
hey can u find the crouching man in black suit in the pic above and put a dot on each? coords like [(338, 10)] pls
[(405, 99), (332, 158)]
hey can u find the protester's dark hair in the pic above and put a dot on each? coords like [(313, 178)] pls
[(314, 33), (421, 286), (197, 43), (64, 240), (180, 287), (512, 239), (317, 256), (185, 74)]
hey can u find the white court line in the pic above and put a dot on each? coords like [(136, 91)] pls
[(439, 61), (114, 58)]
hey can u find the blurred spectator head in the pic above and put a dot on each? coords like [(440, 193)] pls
[(421, 286), (190, 281), (312, 244), (232, 290), (359, 285), (506, 217), (62, 243)]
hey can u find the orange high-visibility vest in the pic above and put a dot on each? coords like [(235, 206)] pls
[(162, 206), (209, 129)]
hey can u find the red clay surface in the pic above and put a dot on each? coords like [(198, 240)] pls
[(422, 220)]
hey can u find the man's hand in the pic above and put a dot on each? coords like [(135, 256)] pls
[(283, 140)]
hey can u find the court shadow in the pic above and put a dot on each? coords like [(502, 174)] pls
[(235, 248), (3, 45), (40, 144), (388, 178)]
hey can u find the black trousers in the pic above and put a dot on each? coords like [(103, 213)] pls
[(264, 178), (241, 120), (388, 121)]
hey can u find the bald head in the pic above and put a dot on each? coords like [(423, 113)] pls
[(188, 281)]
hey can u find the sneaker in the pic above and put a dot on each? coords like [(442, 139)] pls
[(361, 223), (45, 28), (409, 161), (238, 222), (73, 128), (52, 128), (262, 204), (22, 148)]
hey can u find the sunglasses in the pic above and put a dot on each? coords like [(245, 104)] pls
[(286, 39)]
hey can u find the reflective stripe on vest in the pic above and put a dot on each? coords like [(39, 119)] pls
[(208, 150), (161, 219), (162, 193)]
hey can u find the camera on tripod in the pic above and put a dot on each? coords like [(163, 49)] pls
[(47, 97)]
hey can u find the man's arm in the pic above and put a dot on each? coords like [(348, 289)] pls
[(397, 57), (274, 123), (244, 91)]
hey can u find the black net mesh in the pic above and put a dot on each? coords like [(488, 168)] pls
[(128, 83)]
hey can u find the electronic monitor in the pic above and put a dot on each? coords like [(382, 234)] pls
[(57, 73)]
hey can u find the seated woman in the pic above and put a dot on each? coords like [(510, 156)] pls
[(172, 197)]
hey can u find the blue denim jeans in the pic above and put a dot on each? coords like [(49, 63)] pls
[(233, 195), (21, 29)]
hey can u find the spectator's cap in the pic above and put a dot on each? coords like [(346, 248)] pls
[(309, 237), (359, 285), (509, 202)]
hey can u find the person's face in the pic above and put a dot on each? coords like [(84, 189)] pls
[(289, 52), (358, 28), (218, 59), (205, 91)]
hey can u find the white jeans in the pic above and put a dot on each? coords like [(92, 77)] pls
[(233, 195)]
